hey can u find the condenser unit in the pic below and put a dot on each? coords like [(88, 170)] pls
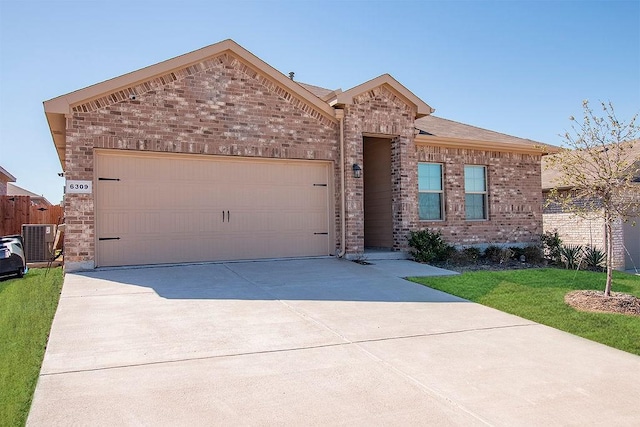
[(38, 241)]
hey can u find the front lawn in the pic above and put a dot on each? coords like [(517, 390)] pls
[(538, 295), (27, 307)]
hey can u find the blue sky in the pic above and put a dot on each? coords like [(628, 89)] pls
[(517, 67)]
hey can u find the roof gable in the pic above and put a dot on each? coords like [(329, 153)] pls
[(14, 190), (163, 72), (130, 85), (7, 176), (346, 97)]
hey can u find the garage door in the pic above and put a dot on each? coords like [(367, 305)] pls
[(155, 209), (631, 231)]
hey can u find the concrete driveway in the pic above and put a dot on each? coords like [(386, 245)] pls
[(313, 342)]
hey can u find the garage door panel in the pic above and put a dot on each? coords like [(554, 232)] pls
[(175, 208)]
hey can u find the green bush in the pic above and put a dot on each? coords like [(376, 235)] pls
[(428, 246), (594, 258), (571, 256), (551, 246)]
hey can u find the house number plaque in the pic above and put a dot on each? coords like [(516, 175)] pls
[(78, 187)]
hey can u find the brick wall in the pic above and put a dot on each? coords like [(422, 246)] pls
[(223, 107), (574, 230), (217, 107), (380, 112), (3, 188), (514, 196)]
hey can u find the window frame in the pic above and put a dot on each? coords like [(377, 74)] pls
[(484, 193), (439, 192)]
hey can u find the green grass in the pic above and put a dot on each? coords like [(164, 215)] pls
[(27, 307), (538, 295)]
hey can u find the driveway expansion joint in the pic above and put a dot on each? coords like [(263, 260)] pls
[(109, 295), (282, 350)]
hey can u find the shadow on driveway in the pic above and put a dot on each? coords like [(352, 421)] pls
[(325, 279)]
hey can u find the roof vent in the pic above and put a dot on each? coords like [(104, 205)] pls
[(291, 74)]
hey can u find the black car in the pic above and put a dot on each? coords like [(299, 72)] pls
[(12, 260)]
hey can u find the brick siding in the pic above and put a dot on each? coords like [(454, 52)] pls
[(380, 112), (218, 107), (223, 107), (514, 196), (574, 230)]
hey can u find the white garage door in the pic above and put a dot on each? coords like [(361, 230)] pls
[(156, 208)]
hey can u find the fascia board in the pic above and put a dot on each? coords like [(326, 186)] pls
[(511, 147), (63, 104)]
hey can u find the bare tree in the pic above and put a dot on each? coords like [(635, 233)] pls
[(596, 171)]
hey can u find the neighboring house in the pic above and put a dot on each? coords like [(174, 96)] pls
[(575, 230), (36, 200), (5, 178), (215, 155)]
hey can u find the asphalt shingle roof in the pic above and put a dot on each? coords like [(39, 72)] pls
[(438, 126), (550, 175)]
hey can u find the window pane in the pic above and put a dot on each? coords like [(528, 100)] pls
[(474, 179), (430, 206), (429, 177), (475, 206)]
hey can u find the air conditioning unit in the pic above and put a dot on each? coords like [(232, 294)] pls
[(38, 241)]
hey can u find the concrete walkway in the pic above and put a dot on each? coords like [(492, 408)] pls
[(313, 342)]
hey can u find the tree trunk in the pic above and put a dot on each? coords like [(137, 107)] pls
[(609, 249)]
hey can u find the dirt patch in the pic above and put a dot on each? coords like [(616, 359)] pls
[(597, 302)]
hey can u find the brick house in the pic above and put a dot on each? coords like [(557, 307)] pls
[(589, 231), (5, 179), (215, 155), (36, 199)]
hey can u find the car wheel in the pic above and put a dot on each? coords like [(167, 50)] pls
[(20, 273)]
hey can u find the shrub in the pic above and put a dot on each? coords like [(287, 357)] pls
[(497, 254), (551, 246), (465, 256), (471, 253), (533, 254), (506, 255), (571, 256), (594, 258), (493, 253), (428, 246), (517, 252)]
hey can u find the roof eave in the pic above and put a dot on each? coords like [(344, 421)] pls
[(10, 177), (346, 97), (57, 127), (57, 108), (512, 147)]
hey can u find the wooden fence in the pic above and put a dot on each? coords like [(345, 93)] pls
[(17, 210)]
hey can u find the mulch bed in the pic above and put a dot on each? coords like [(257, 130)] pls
[(595, 301), (485, 265)]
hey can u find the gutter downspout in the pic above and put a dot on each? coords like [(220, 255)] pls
[(343, 220)]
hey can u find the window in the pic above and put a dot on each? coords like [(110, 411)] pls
[(475, 192), (430, 192)]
